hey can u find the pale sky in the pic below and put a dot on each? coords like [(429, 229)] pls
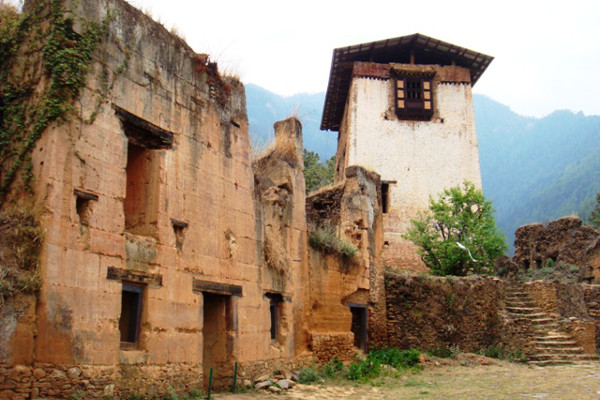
[(547, 53)]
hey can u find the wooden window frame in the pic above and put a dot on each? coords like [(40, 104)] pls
[(413, 97)]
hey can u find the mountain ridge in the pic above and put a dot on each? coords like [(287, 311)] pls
[(533, 169)]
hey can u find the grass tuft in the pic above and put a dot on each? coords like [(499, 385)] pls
[(326, 240)]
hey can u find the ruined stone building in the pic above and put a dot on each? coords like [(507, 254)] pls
[(403, 108), (167, 251)]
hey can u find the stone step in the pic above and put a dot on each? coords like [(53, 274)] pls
[(555, 344), (559, 350), (519, 303), (516, 295), (553, 338), (545, 363), (567, 358), (533, 315), (525, 310), (543, 320)]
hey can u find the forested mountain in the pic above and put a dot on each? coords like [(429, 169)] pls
[(536, 170), (533, 169), (266, 108)]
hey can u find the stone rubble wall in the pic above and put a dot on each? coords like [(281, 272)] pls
[(592, 300), (437, 312), (329, 345), (51, 381), (565, 240), (563, 300)]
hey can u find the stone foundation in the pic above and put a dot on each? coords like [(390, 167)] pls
[(48, 381), (328, 345)]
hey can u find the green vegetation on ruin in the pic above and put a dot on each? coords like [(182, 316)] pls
[(35, 94), (327, 240)]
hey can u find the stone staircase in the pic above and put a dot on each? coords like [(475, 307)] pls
[(551, 345)]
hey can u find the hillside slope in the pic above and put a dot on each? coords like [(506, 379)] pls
[(533, 169)]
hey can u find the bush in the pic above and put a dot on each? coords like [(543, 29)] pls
[(493, 351), (332, 368), (308, 375), (395, 357), (363, 370), (458, 236)]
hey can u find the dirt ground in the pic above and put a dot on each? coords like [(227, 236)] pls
[(457, 380)]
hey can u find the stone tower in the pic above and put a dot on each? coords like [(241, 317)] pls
[(403, 108)]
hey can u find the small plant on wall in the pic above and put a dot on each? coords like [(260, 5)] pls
[(326, 240), (458, 234)]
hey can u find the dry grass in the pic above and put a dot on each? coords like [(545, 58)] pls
[(453, 380), (20, 244), (275, 255), (285, 149)]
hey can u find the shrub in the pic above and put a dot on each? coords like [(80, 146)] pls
[(395, 357), (493, 351), (458, 236), (332, 368), (363, 370), (308, 375)]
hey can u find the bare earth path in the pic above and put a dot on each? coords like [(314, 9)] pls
[(499, 381)]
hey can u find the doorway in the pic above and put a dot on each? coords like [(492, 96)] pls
[(359, 325), (217, 348)]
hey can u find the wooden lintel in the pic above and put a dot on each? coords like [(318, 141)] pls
[(82, 194), (179, 224), (126, 275), (199, 286)]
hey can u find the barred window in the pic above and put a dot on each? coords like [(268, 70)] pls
[(414, 98)]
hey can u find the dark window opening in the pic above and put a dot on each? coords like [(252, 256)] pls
[(83, 206), (84, 210), (131, 314), (359, 325), (275, 306), (274, 328), (385, 187), (179, 229), (141, 197), (414, 98)]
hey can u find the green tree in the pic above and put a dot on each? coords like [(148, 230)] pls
[(458, 235), (317, 174), (595, 215)]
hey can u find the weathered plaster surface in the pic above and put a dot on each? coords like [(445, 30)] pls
[(422, 157)]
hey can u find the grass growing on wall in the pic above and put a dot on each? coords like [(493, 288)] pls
[(326, 240)]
